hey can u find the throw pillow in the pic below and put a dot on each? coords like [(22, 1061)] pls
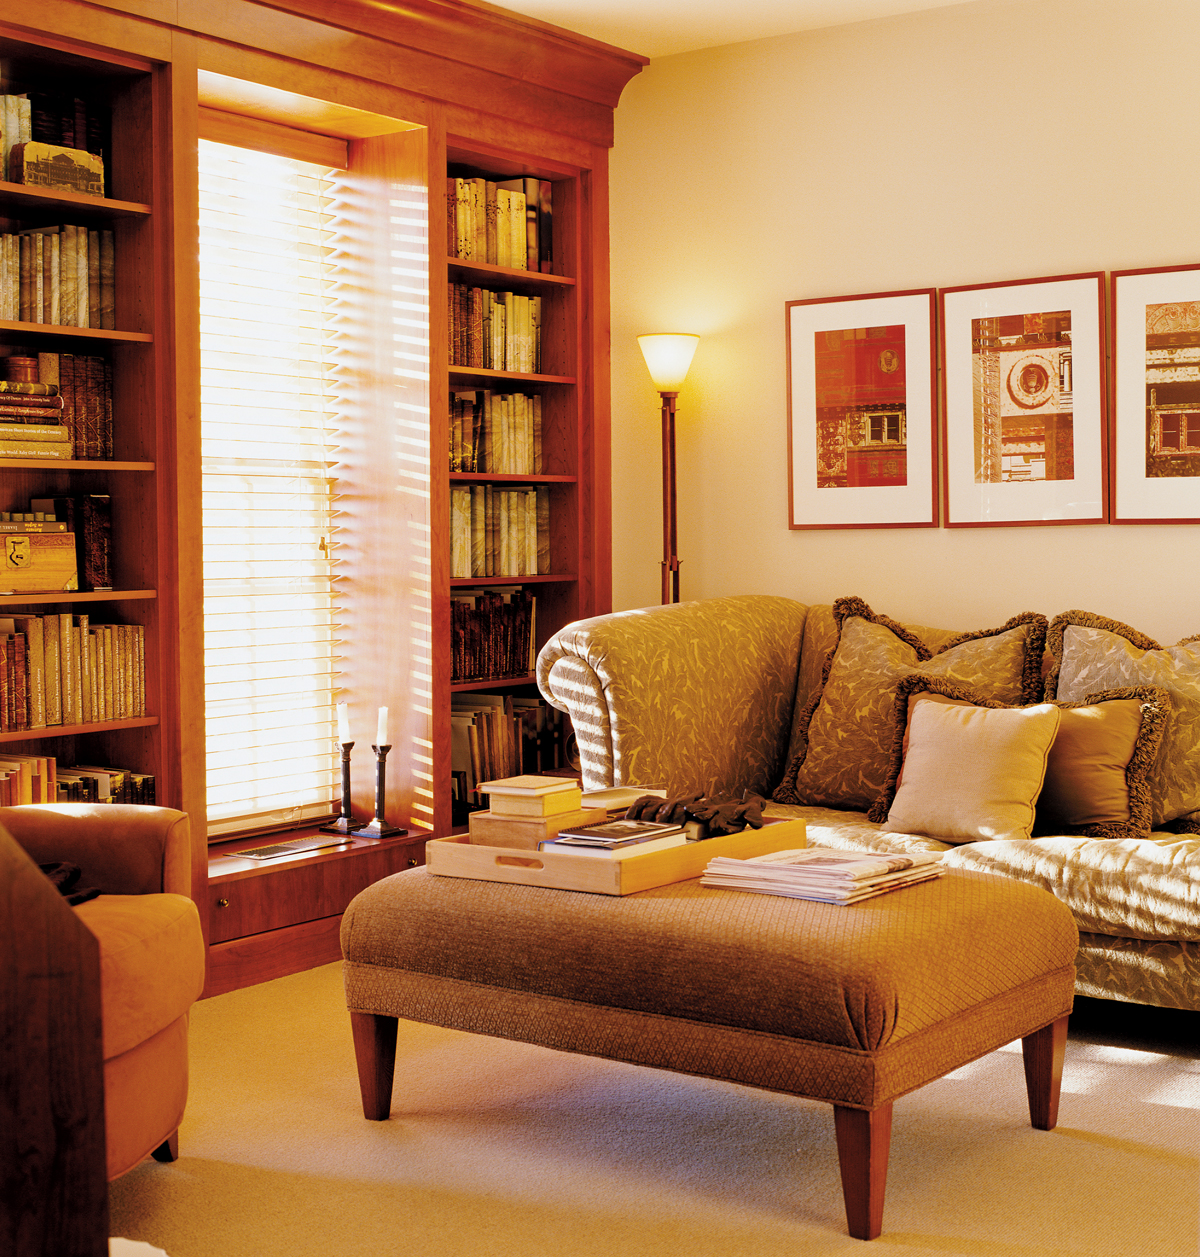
[(843, 756), (1090, 653), (1096, 775), (972, 773)]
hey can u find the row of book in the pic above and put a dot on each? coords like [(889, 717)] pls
[(504, 735), (42, 779), (499, 331), (499, 532), (52, 118), (60, 669), (496, 432), (492, 633), (67, 413), (505, 222), (63, 275)]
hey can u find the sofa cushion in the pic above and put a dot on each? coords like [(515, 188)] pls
[(847, 724), (151, 963), (1090, 653), (1096, 776), (850, 831), (972, 773), (1147, 888)]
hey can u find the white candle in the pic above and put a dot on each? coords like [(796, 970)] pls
[(343, 724), (381, 733)]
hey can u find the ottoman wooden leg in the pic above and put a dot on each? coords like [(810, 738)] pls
[(375, 1053), (1043, 1053), (862, 1141)]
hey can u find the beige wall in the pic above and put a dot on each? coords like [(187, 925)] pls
[(984, 142)]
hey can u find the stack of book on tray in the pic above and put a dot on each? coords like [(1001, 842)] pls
[(607, 836), (823, 874), (525, 811)]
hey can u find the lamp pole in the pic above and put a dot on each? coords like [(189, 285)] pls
[(668, 356), (670, 563)]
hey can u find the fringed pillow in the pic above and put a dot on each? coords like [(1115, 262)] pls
[(844, 753), (1097, 766), (1090, 653)]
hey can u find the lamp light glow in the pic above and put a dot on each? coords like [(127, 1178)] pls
[(668, 356)]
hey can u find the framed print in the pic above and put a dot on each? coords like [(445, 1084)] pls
[(1156, 424), (1024, 416), (861, 409)]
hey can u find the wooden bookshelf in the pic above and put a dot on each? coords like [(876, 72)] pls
[(413, 90)]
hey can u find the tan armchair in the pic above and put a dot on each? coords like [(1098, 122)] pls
[(151, 956)]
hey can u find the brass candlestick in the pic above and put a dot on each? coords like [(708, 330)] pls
[(344, 823), (378, 827)]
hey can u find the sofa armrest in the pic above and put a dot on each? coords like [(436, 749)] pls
[(694, 697), (124, 849)]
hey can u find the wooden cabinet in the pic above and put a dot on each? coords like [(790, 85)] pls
[(417, 89)]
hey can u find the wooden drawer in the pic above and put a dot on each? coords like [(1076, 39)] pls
[(250, 901)]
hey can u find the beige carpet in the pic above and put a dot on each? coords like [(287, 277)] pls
[(496, 1148)]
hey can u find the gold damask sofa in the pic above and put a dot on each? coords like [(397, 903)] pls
[(1064, 753)]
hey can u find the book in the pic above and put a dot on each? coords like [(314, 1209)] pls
[(50, 450), (823, 874), (40, 432), (498, 830), (614, 834), (15, 388), (547, 802)]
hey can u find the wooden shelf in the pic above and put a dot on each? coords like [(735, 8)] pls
[(73, 596), (63, 731), (24, 199), (517, 377), (487, 273), (59, 331), (493, 683), (497, 477), (76, 464), (511, 580)]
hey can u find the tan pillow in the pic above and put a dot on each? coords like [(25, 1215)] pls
[(972, 773), (1090, 653), (843, 758), (1096, 775)]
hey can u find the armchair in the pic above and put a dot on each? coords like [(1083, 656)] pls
[(151, 957)]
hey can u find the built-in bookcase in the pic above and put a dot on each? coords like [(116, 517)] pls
[(130, 92), (558, 384)]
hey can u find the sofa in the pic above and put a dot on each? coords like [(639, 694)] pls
[(1061, 753), (151, 956)]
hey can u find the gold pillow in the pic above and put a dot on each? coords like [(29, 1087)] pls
[(844, 752), (1096, 774), (972, 773), (1090, 653)]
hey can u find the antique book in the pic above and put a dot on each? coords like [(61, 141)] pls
[(35, 667), (54, 166), (108, 281), (53, 669)]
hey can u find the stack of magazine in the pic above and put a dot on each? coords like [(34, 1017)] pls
[(823, 874)]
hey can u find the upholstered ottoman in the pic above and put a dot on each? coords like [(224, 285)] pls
[(851, 1005)]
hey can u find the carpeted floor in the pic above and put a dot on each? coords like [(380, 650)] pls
[(504, 1150)]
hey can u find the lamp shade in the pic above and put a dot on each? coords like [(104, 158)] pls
[(668, 356)]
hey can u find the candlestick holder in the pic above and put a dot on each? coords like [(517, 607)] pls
[(344, 823), (378, 827)]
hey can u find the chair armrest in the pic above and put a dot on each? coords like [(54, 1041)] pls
[(124, 849), (696, 696)]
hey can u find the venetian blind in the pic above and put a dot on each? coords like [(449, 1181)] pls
[(268, 441)]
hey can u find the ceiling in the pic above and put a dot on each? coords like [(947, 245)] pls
[(658, 28)]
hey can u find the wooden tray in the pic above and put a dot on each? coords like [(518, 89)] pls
[(618, 873)]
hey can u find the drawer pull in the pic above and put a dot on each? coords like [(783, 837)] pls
[(222, 903)]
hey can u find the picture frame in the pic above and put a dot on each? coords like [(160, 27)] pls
[(1155, 440), (1024, 402), (862, 411)]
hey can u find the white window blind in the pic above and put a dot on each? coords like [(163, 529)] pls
[(268, 441)]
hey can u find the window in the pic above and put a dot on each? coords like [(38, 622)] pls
[(269, 433)]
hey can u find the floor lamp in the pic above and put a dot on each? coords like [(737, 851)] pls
[(668, 356)]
